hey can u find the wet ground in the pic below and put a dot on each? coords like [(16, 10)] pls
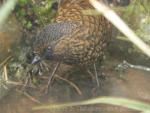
[(132, 84)]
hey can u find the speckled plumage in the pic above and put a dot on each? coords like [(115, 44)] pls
[(74, 38)]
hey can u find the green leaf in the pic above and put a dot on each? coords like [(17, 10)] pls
[(29, 25)]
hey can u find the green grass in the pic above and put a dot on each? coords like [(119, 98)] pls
[(6, 9), (128, 103)]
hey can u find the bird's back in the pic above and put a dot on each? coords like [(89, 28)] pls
[(88, 41)]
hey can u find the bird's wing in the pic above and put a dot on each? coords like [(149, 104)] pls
[(75, 46)]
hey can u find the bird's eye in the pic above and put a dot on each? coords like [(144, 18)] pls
[(48, 49), (47, 52)]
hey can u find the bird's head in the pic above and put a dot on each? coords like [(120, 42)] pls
[(44, 43), (43, 54)]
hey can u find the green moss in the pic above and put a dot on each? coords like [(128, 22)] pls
[(32, 14)]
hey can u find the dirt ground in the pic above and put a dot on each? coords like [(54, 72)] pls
[(132, 84)]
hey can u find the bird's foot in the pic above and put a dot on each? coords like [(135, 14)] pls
[(96, 76)]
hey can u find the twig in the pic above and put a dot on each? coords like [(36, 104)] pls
[(52, 76), (71, 83), (126, 64), (26, 81), (17, 83), (5, 61), (29, 96), (91, 74), (5, 74)]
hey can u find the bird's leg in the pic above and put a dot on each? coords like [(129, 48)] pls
[(96, 75), (52, 76)]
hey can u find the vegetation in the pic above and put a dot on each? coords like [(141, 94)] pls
[(132, 104), (32, 14)]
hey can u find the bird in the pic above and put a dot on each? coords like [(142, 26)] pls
[(73, 38)]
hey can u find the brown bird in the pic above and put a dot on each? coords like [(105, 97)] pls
[(74, 38)]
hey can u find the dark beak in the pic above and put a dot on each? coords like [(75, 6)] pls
[(36, 59)]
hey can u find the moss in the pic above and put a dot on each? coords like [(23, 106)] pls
[(34, 13)]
